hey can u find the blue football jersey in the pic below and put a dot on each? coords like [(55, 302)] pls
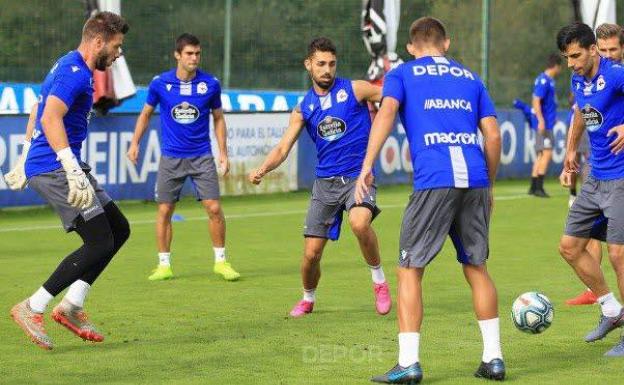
[(601, 103), (71, 81), (544, 89), (441, 104), (339, 126), (185, 112)]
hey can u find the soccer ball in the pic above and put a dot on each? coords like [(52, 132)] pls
[(532, 312)]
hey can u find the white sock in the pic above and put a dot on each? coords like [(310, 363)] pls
[(77, 293), (309, 295), (164, 259), (408, 348), (378, 274), (39, 301), (609, 305), (219, 254), (490, 331)]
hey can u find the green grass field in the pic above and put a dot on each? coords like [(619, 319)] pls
[(198, 329)]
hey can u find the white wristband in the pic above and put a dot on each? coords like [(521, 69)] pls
[(66, 155)]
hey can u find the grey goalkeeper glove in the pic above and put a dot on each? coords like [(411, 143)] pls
[(81, 192), (16, 178)]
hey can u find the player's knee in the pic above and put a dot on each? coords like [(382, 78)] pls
[(165, 211), (568, 250), (214, 210), (360, 227), (312, 256)]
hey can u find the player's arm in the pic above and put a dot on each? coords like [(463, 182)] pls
[(280, 152), (364, 90), (536, 103), (570, 161), (221, 134), (491, 145), (139, 130), (381, 129), (16, 178), (81, 192)]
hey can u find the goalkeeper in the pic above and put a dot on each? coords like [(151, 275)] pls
[(50, 165)]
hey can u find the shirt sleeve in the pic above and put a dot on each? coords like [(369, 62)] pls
[(393, 85), (67, 85), (215, 101), (618, 72), (486, 106), (152, 94), (541, 88)]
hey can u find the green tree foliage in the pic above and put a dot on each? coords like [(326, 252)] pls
[(269, 37)]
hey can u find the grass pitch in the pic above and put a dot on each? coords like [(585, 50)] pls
[(199, 329)]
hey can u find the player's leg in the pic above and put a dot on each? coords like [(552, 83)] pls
[(534, 173), (216, 228), (322, 222), (169, 182), (164, 237), (616, 256), (426, 223), (69, 312), (542, 168), (310, 274), (203, 173), (470, 235), (360, 219)]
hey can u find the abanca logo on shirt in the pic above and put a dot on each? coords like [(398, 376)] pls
[(185, 113), (331, 128), (447, 104)]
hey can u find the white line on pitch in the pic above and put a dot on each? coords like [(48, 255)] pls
[(231, 216)]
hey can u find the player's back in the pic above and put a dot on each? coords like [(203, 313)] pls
[(441, 103), (70, 80)]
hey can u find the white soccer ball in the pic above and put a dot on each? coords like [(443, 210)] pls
[(532, 312)]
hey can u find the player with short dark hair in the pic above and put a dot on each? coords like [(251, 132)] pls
[(610, 42), (442, 106), (544, 105), (598, 211), (54, 171), (335, 114), (187, 97)]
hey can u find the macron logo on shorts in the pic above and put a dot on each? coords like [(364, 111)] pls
[(450, 138)]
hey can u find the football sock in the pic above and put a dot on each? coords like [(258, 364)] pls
[(408, 348), (490, 331), (533, 182), (378, 274), (540, 182), (39, 301), (164, 259), (219, 253), (573, 192), (309, 295), (77, 293), (609, 305)]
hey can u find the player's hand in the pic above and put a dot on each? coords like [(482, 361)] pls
[(565, 179), (618, 144), (81, 192), (16, 178), (541, 127), (364, 181), (133, 153), (570, 162), (224, 164), (255, 177)]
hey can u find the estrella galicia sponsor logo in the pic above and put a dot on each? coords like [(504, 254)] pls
[(331, 128), (185, 113), (592, 118), (450, 138), (448, 104)]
